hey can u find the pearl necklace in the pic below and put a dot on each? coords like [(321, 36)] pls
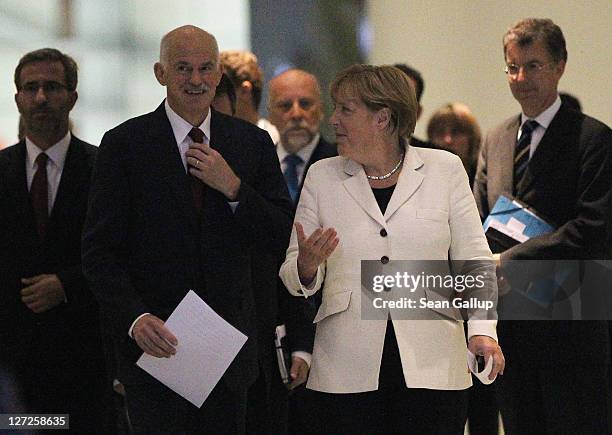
[(387, 175)]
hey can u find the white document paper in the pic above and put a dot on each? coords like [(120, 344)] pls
[(207, 345), (482, 376), (507, 230)]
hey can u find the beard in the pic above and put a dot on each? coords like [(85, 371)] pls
[(296, 136)]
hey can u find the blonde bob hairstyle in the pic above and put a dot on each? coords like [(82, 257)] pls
[(380, 87)]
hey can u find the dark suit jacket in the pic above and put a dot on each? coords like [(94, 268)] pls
[(568, 181), (295, 313), (144, 246), (300, 326), (64, 342), (302, 330)]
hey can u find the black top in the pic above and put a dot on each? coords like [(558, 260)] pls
[(383, 196)]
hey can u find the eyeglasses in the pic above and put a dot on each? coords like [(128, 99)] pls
[(529, 68), (49, 87)]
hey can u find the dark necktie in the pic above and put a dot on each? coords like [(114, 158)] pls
[(197, 188), (39, 195), (521, 153), (291, 178)]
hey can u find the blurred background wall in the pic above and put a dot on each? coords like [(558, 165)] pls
[(456, 44)]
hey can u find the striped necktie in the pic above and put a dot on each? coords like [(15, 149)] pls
[(521, 153)]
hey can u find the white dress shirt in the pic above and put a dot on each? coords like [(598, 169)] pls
[(305, 153), (55, 164), (181, 129), (544, 119)]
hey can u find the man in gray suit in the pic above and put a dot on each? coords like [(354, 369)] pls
[(558, 162)]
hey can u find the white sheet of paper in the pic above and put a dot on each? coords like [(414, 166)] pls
[(482, 376), (207, 346), (503, 228), (516, 225)]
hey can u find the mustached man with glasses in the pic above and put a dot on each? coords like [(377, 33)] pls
[(558, 162), (49, 332)]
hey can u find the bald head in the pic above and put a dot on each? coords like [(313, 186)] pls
[(294, 107), (185, 33), (294, 78), (189, 69)]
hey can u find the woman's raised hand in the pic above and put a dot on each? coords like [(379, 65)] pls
[(313, 250)]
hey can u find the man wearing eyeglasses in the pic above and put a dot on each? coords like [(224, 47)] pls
[(557, 161), (49, 333)]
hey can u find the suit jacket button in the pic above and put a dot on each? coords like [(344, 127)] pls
[(383, 233), (384, 259)]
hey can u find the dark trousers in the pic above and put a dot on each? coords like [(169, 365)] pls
[(155, 409), (483, 412), (556, 399), (267, 405), (304, 414), (57, 376), (483, 418), (394, 408)]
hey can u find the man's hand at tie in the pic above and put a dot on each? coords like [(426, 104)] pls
[(153, 337), (42, 293), (211, 168)]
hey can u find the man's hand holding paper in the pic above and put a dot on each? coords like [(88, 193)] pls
[(153, 337)]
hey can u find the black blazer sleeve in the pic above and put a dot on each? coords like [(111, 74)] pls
[(105, 238)]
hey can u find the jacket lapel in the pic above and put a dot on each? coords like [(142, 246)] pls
[(408, 182), (18, 184), (74, 176), (550, 148), (358, 187), (162, 140), (506, 145)]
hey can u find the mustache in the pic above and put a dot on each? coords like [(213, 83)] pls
[(43, 107), (297, 125)]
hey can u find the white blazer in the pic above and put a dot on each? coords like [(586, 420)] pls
[(432, 215)]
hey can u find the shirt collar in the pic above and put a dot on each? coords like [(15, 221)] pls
[(181, 128), (545, 118), (305, 153), (56, 153)]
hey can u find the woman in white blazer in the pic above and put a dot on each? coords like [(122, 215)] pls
[(383, 200)]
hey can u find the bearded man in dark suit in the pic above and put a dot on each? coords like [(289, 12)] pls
[(50, 332), (558, 162), (180, 197), (295, 109)]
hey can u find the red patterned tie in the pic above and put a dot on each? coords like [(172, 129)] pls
[(39, 195), (197, 188)]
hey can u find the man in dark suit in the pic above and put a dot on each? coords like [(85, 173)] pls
[(295, 109), (50, 333), (557, 161), (179, 198)]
